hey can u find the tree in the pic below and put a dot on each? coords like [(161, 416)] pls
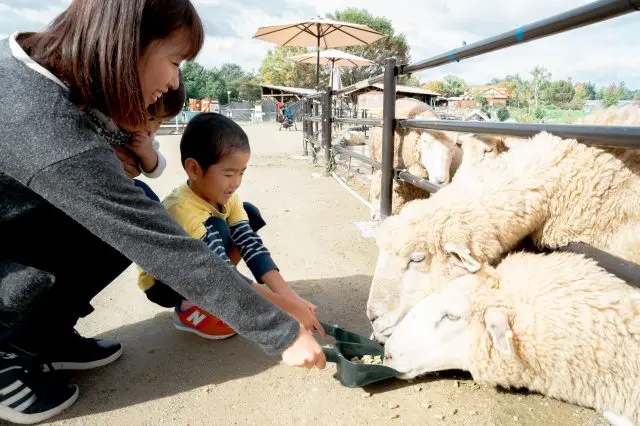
[(392, 45), (541, 78), (452, 85), (479, 98), (434, 86), (624, 92), (409, 81), (590, 89), (195, 78), (559, 93), (579, 97), (503, 114), (611, 96), (278, 70)]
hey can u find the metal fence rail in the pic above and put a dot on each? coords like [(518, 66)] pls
[(575, 18), (611, 136)]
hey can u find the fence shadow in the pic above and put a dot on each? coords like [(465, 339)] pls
[(160, 362)]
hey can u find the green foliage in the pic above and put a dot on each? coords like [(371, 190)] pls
[(278, 70), (392, 45), (453, 85), (203, 83), (503, 114), (590, 90), (611, 96), (539, 113), (559, 93)]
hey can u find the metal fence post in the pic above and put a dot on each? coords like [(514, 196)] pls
[(305, 126), (326, 128), (388, 131)]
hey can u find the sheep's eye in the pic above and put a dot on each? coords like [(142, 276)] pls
[(448, 316), (451, 317)]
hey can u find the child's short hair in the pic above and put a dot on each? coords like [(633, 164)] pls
[(210, 137), (171, 103)]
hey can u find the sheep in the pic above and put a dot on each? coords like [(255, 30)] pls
[(554, 323), (552, 190), (457, 157), (353, 138)]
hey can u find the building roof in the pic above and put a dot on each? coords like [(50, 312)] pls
[(500, 91), (293, 90), (409, 89), (400, 88)]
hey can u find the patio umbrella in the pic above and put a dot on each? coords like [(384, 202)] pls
[(319, 32), (333, 58)]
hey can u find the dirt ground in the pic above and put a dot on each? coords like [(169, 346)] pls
[(169, 377)]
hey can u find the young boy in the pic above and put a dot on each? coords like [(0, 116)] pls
[(215, 152)]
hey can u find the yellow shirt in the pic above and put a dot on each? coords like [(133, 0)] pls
[(191, 212)]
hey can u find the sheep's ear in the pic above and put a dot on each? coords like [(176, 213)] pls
[(497, 322), (462, 255)]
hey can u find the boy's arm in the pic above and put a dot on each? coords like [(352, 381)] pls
[(252, 250)]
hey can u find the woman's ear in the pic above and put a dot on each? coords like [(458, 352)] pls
[(193, 169)]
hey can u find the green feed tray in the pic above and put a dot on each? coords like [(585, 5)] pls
[(349, 345)]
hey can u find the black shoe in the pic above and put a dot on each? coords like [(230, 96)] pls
[(28, 396), (75, 352)]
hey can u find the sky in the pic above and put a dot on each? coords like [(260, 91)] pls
[(602, 53)]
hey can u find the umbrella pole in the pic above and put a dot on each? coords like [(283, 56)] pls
[(318, 61)]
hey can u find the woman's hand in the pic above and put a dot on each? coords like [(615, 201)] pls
[(304, 352), (129, 160)]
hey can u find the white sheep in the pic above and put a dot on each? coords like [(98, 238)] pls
[(555, 191), (443, 157), (353, 138), (557, 324)]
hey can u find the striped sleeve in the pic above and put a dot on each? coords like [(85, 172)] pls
[(253, 252)]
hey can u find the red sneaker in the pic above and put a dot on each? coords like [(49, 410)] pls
[(198, 321)]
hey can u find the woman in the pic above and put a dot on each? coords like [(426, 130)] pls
[(70, 218)]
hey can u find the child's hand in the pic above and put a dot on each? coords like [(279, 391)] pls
[(304, 352), (142, 146), (303, 314), (313, 308)]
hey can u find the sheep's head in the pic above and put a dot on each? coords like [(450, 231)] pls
[(442, 331), (403, 277), (436, 155)]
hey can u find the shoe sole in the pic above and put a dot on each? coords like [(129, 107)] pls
[(88, 365), (199, 333), (14, 416)]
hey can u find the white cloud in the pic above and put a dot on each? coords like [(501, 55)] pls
[(602, 52)]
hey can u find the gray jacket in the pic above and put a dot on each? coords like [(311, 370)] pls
[(50, 153)]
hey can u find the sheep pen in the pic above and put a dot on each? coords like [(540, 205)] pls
[(557, 324), (551, 190)]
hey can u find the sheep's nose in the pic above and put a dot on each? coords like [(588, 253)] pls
[(388, 356)]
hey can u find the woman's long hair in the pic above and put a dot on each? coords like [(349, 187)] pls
[(95, 47)]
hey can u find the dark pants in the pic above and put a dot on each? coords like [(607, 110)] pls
[(163, 295), (56, 267), (147, 190)]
